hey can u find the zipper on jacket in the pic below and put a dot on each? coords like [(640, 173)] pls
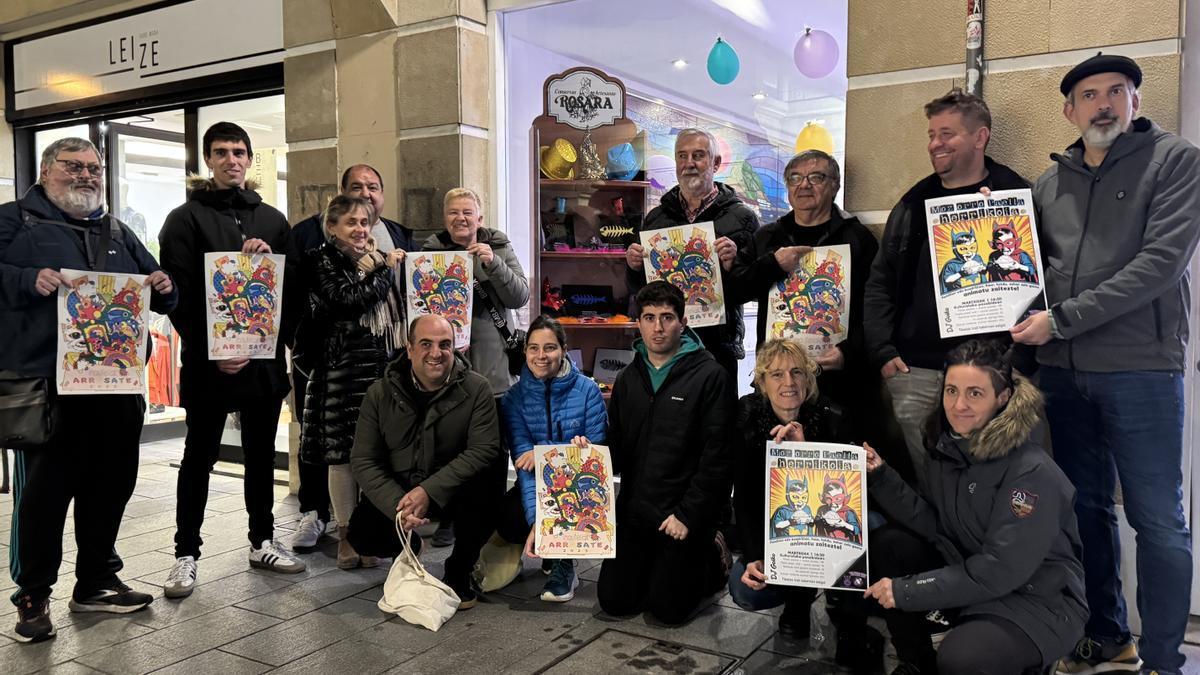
[(1087, 218), (549, 422)]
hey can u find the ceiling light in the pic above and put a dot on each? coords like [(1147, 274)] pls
[(679, 63), (758, 96)]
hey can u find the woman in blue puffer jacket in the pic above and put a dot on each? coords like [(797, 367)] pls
[(553, 403)]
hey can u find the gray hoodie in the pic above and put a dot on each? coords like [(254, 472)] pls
[(1117, 240)]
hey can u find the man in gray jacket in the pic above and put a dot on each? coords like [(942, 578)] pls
[(1120, 222)]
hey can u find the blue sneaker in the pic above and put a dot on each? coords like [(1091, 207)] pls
[(561, 585)]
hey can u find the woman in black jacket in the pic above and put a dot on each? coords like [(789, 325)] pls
[(990, 538), (357, 325)]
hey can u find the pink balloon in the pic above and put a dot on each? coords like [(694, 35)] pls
[(816, 54)]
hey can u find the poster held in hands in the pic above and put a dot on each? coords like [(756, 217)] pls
[(987, 264), (441, 283), (243, 304), (576, 504), (811, 305), (103, 328), (686, 257), (816, 525)]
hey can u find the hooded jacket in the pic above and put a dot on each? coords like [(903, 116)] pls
[(673, 448), (898, 321), (35, 234), (345, 356), (1000, 512), (537, 412), (1117, 241), (211, 220), (730, 218), (486, 353), (397, 448)]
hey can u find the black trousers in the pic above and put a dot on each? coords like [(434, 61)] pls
[(511, 524), (205, 424), (987, 645), (660, 575), (91, 457), (473, 509), (314, 478)]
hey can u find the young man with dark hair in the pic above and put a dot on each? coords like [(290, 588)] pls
[(900, 321), (671, 419), (224, 213)]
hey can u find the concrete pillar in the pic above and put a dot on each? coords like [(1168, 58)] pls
[(903, 54), (8, 172)]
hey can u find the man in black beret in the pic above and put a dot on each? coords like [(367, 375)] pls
[(1120, 223)]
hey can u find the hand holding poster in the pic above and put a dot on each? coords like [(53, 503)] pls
[(441, 283), (576, 504), (812, 304), (686, 257), (102, 333), (243, 293), (816, 515), (987, 268)]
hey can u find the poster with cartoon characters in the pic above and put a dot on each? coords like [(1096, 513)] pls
[(576, 504), (103, 328), (816, 515), (811, 305), (244, 305), (441, 283), (987, 271), (686, 258)]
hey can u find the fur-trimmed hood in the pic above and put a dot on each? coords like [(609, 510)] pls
[(198, 183), (1012, 426)]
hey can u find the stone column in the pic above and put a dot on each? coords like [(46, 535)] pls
[(8, 170), (903, 54)]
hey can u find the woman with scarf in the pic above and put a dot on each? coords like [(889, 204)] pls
[(357, 326)]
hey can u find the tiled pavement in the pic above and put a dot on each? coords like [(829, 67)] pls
[(325, 620)]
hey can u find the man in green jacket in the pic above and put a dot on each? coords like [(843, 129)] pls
[(428, 443)]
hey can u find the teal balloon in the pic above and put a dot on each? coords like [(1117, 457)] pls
[(723, 63)]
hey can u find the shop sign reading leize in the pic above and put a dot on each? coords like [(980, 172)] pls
[(584, 98)]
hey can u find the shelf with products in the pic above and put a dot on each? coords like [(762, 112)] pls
[(618, 256)]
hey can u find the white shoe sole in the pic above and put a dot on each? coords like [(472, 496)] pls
[(41, 638), (274, 568), (177, 593), (550, 597), (105, 609)]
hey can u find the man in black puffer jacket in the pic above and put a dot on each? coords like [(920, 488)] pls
[(671, 427), (225, 214), (700, 199)]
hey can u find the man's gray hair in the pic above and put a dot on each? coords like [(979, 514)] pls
[(835, 171), (713, 148), (68, 144)]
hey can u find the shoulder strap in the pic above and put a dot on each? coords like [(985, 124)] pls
[(484, 290), (97, 256)]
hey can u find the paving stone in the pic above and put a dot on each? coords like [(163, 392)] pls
[(763, 661), (204, 599), (715, 628), (615, 651), (215, 662), (73, 668), (154, 489), (181, 641), (560, 648), (309, 632), (90, 633), (314, 593), (352, 655), (483, 653)]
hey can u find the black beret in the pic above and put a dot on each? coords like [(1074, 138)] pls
[(1101, 63)]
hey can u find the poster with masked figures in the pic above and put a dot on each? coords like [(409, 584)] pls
[(576, 504), (103, 328), (686, 258), (816, 516), (441, 283), (244, 306), (987, 271), (811, 305)]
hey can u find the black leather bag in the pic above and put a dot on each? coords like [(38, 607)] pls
[(24, 411)]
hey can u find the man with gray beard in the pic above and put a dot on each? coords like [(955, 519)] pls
[(91, 454), (1120, 223)]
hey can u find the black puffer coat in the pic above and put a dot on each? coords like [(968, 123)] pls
[(346, 358)]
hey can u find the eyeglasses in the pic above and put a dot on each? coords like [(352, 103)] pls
[(816, 178), (76, 168)]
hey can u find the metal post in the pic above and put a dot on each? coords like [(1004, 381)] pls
[(974, 47)]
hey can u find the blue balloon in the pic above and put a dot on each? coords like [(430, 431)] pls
[(723, 63)]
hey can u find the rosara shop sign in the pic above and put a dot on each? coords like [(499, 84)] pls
[(584, 98)]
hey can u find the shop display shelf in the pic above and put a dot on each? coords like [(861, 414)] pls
[(579, 184), (582, 255), (627, 325)]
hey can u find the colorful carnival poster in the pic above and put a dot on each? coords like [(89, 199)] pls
[(576, 504), (686, 258), (441, 283), (816, 525), (244, 295), (103, 329), (987, 268), (812, 304)]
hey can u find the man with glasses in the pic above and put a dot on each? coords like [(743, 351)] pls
[(61, 223), (901, 322)]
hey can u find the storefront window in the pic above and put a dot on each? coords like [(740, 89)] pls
[(262, 118), (43, 139), (148, 156)]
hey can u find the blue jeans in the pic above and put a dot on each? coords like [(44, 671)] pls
[(1127, 426), (768, 598)]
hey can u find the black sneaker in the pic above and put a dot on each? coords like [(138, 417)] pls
[(860, 651), (33, 619), (795, 623), (120, 599), (467, 596)]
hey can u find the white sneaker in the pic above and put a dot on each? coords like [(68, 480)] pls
[(309, 532), (182, 579), (271, 556)]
